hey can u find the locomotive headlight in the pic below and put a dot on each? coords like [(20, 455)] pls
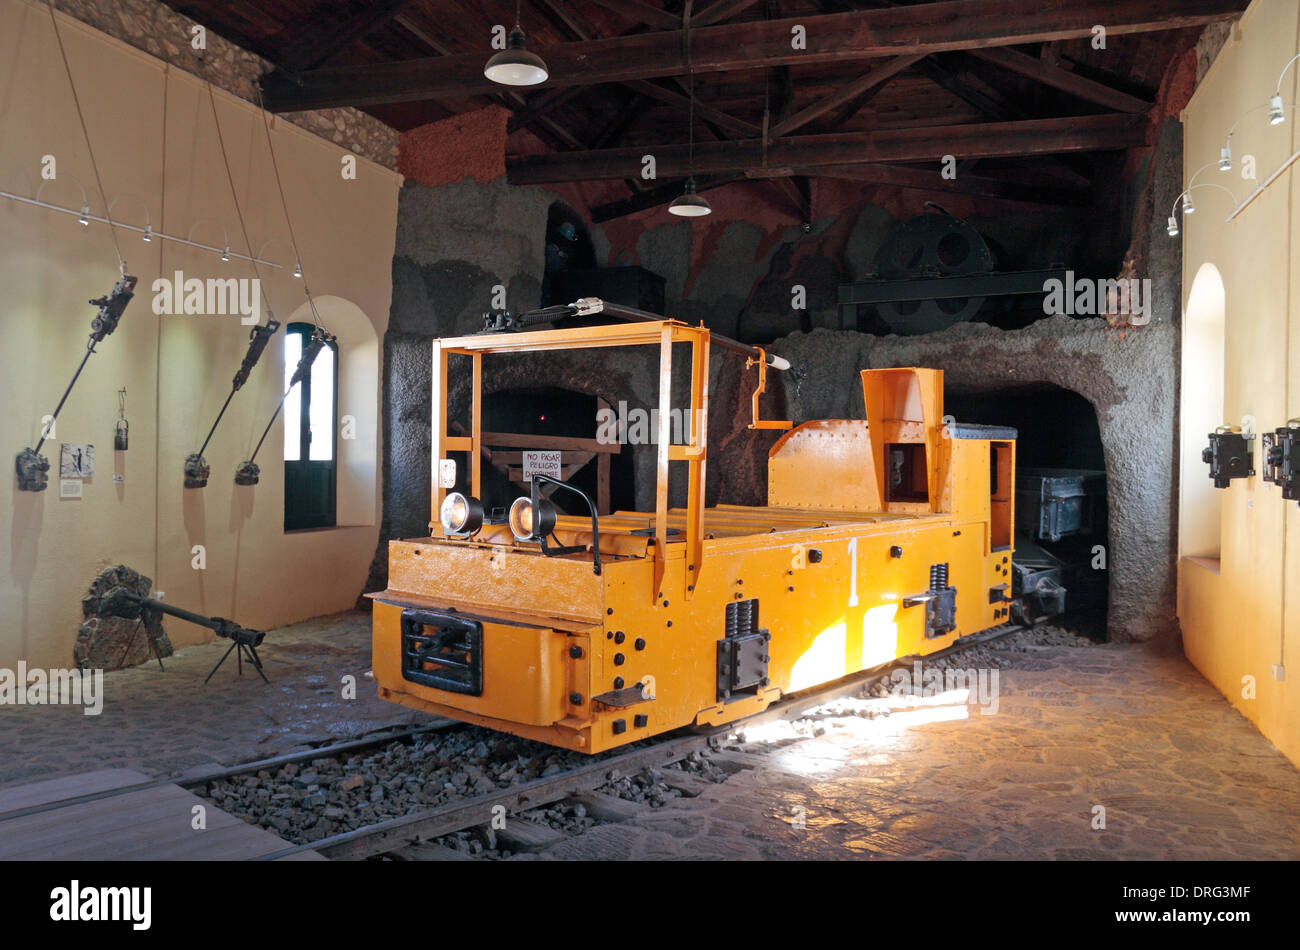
[(461, 514), (531, 524)]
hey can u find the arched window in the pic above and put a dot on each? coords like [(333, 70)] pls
[(310, 434), (1200, 503)]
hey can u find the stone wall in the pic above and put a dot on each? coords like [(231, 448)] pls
[(165, 34)]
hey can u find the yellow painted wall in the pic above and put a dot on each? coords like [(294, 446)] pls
[(177, 369), (1241, 614)]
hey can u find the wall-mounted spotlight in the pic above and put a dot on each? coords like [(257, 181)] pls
[(462, 515), (1225, 158), (1185, 199), (225, 238), (1276, 111), (83, 215), (147, 233), (297, 269)]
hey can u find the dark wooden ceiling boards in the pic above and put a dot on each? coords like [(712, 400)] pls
[(879, 83)]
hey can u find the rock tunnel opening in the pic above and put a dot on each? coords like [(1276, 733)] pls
[(561, 420), (1062, 512)]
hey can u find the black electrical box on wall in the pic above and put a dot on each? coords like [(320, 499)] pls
[(1230, 455)]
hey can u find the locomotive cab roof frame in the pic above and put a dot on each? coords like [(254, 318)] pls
[(662, 333), (901, 405)]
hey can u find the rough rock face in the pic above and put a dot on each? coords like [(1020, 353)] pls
[(1130, 381), (112, 622)]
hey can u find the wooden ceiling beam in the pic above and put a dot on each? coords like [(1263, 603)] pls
[(720, 10), (836, 37), (986, 140), (705, 113), (878, 76), (315, 42), (642, 13), (902, 176), (576, 24), (1062, 79), (539, 105)]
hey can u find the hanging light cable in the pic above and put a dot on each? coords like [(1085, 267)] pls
[(515, 65), (99, 183), (288, 221), (689, 204)]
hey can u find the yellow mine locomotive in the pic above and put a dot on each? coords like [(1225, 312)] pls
[(880, 539)]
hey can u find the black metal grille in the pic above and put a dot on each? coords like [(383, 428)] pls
[(442, 651)]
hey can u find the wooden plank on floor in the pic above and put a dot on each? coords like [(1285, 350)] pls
[(19, 797), (155, 823)]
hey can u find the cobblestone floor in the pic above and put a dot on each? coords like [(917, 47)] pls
[(1180, 774), (167, 722)]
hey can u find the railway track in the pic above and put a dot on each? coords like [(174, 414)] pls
[(397, 834)]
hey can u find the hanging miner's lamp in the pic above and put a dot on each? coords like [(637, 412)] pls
[(123, 428), (515, 65)]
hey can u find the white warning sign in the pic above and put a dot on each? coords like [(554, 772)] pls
[(541, 463)]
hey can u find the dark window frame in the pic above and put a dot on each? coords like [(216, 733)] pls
[(311, 487)]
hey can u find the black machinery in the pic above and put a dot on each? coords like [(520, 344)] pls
[(243, 641), (1281, 450), (931, 272), (32, 467), (196, 466), (1061, 515), (1230, 454)]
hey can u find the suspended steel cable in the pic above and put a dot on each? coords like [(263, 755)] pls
[(76, 101), (288, 220)]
